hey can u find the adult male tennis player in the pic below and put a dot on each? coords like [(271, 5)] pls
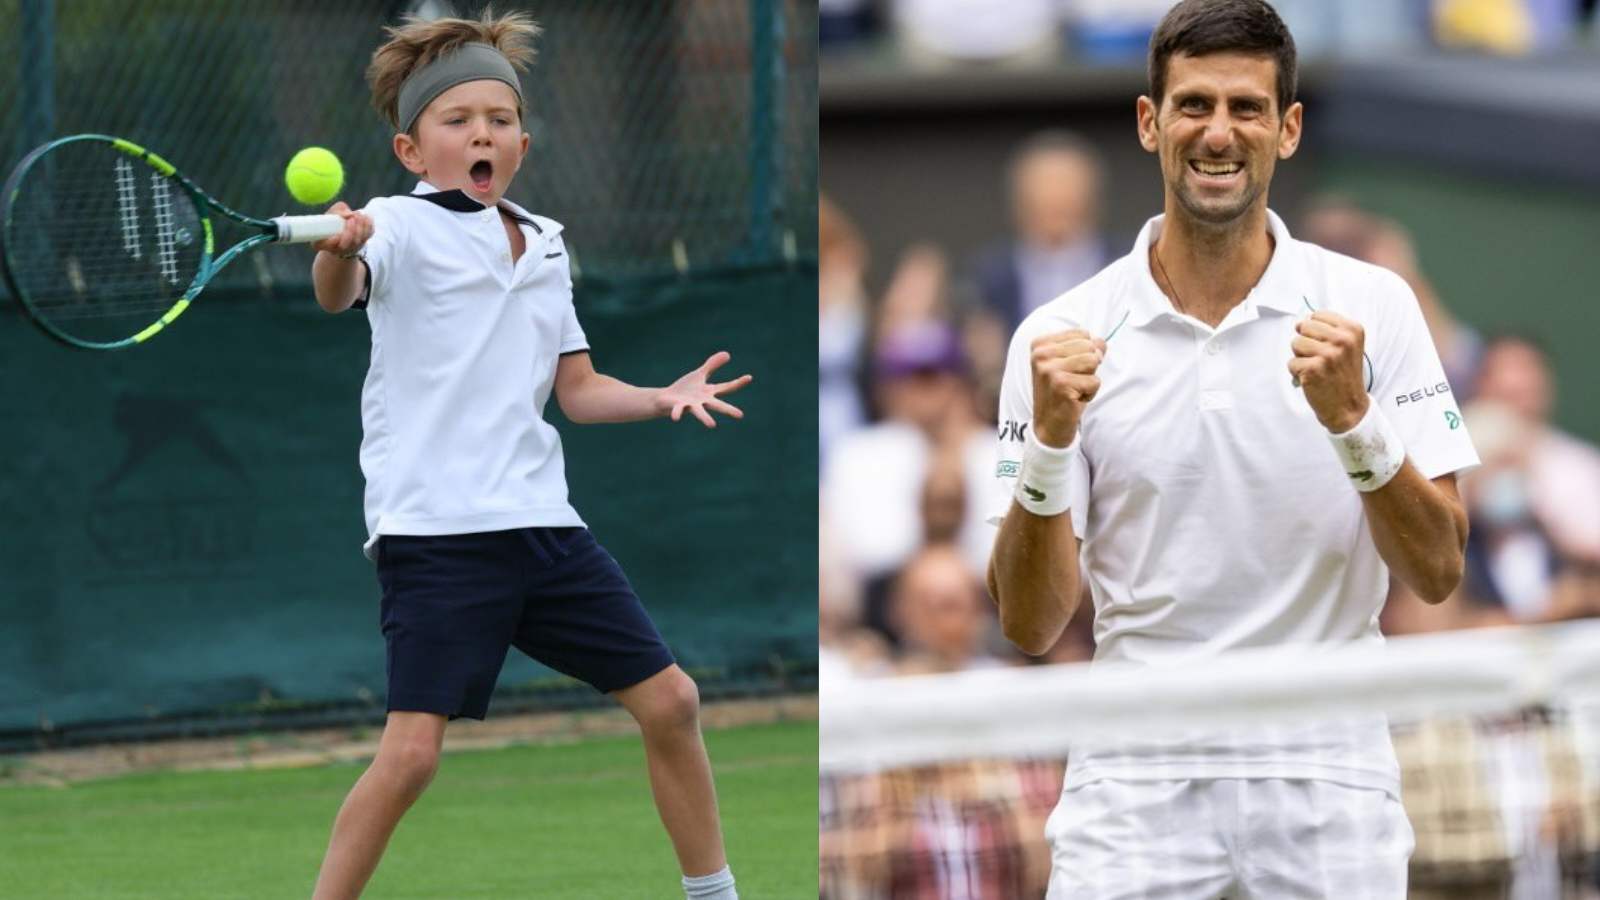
[(1234, 438)]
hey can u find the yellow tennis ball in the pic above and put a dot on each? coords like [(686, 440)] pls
[(314, 176)]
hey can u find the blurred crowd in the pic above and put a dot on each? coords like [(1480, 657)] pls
[(932, 32), (908, 383), (908, 389)]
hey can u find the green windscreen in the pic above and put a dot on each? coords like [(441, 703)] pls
[(183, 522)]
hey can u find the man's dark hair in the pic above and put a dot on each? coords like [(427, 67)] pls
[(1199, 27)]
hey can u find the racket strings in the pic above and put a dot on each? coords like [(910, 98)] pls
[(103, 244)]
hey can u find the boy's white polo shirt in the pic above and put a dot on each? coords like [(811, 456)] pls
[(464, 350), (1212, 510)]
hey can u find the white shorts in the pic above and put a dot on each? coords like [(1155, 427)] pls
[(1238, 839)]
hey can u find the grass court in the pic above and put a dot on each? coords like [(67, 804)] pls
[(534, 821)]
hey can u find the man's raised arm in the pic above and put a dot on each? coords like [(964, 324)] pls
[(1033, 571)]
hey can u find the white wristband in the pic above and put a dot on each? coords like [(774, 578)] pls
[(1371, 452), (1042, 485)]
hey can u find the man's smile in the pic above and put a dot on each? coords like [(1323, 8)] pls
[(1218, 173)]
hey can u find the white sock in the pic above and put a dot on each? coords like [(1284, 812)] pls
[(716, 886)]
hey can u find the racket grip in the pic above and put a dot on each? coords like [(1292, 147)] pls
[(305, 229)]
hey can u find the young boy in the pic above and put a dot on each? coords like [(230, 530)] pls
[(470, 304)]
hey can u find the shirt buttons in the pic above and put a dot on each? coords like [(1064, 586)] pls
[(1213, 348)]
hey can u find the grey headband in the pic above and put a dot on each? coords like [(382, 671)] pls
[(473, 62)]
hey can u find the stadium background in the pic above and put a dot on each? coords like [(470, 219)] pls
[(182, 524), (1465, 131)]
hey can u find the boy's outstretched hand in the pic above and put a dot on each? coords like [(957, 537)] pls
[(695, 393)]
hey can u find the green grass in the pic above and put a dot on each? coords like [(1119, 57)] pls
[(555, 821)]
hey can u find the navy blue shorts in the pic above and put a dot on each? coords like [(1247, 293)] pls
[(453, 604)]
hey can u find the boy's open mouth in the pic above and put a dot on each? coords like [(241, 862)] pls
[(482, 174)]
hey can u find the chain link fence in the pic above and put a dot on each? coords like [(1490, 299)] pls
[(670, 138)]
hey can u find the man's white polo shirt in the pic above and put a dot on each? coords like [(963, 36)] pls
[(1212, 510), (464, 350)]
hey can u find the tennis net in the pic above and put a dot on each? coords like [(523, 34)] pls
[(939, 786)]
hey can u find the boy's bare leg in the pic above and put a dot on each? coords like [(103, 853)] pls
[(667, 708), (408, 756)]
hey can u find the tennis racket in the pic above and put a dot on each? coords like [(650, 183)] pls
[(105, 243)]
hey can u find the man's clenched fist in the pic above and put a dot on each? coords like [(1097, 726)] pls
[(1327, 366), (1064, 379)]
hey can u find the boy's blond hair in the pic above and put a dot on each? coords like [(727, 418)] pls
[(421, 41)]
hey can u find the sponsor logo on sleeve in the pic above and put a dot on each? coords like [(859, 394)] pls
[(1452, 418), (1008, 468), (1012, 430), (1421, 394)]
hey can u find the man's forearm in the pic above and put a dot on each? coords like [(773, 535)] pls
[(1421, 532), (1033, 575)]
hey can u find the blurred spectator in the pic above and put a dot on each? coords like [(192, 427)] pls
[(1112, 31), (1562, 472), (845, 650), (1534, 504), (937, 31), (1511, 563), (1508, 27), (916, 293), (841, 324), (1342, 227), (940, 609), (920, 379), (875, 479), (1055, 184), (944, 496)]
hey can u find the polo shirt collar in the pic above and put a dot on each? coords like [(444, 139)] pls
[(1276, 290), (1280, 287), (458, 201)]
